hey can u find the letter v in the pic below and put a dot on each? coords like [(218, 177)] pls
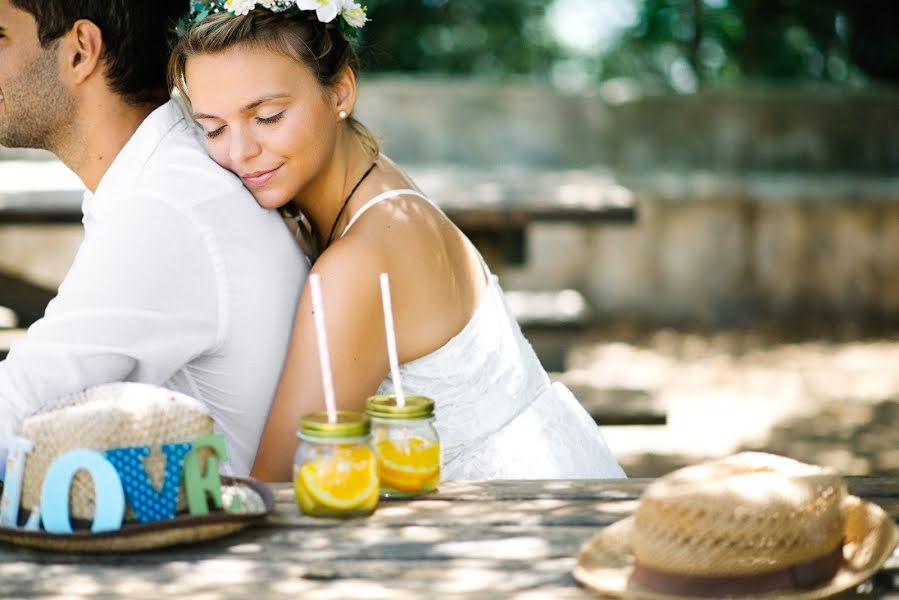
[(150, 505)]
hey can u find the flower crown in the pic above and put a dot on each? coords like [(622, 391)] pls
[(350, 15)]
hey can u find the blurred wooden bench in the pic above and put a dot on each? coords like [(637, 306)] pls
[(552, 321), (494, 207), (620, 406)]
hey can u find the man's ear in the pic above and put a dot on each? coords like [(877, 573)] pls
[(81, 51), (343, 91)]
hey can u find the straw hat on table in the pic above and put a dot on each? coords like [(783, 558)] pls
[(751, 525), (122, 415)]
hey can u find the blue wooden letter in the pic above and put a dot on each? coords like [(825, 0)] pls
[(110, 499), (12, 487), (150, 505)]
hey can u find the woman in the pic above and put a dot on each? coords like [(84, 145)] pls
[(274, 88)]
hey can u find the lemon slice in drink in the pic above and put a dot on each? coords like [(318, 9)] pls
[(409, 465), (345, 481)]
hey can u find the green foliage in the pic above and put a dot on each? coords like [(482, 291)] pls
[(686, 42), (680, 44), (492, 38)]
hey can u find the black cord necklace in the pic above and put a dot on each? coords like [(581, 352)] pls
[(347, 201)]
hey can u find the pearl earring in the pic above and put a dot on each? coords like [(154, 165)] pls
[(342, 114)]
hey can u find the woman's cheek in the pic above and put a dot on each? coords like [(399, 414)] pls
[(218, 151)]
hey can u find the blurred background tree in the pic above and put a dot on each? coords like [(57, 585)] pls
[(460, 37), (676, 44)]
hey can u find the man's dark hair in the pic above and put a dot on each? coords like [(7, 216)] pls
[(136, 35)]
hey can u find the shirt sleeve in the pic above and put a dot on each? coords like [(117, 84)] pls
[(141, 299)]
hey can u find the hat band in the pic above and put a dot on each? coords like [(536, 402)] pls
[(801, 575)]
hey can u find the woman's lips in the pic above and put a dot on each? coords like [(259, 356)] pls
[(259, 178)]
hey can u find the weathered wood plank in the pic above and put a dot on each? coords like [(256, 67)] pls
[(495, 513), (620, 406), (485, 491), (495, 539)]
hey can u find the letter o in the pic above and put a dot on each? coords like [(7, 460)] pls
[(110, 498)]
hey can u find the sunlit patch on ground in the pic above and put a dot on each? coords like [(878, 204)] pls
[(831, 400)]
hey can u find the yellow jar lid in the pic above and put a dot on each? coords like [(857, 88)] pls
[(385, 407), (348, 425)]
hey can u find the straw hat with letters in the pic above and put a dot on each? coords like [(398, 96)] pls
[(123, 415), (751, 525)]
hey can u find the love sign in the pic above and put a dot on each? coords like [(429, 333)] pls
[(118, 475)]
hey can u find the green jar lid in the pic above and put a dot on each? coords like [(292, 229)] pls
[(348, 425), (385, 407)]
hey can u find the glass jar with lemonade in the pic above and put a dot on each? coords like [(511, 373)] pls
[(335, 473), (406, 445)]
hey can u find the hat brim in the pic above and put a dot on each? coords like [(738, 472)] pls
[(136, 537), (605, 562)]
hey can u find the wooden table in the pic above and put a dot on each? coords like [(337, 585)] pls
[(470, 540)]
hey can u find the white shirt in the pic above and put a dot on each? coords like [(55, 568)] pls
[(182, 280)]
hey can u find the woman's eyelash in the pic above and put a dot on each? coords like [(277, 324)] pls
[(263, 120), (272, 119)]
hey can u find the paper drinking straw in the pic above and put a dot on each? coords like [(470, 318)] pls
[(391, 340), (318, 311)]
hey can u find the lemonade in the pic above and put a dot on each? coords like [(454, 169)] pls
[(410, 466), (335, 471), (345, 484), (405, 444)]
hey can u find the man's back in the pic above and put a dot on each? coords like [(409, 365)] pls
[(182, 280)]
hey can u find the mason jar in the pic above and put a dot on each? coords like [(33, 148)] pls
[(335, 473), (406, 445)]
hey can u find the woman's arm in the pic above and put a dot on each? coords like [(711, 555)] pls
[(355, 326)]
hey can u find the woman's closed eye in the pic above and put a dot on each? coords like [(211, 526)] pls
[(215, 132), (263, 120), (271, 119)]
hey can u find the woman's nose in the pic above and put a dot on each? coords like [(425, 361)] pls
[(244, 145)]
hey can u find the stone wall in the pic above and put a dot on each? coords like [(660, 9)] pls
[(753, 204), (730, 258), (467, 122)]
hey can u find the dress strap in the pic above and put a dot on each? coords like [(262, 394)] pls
[(380, 198), (390, 194)]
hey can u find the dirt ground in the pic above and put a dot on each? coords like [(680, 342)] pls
[(822, 395)]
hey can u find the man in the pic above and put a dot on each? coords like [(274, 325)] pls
[(182, 280)]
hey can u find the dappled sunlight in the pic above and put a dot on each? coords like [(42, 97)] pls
[(522, 548), (818, 400), (246, 549), (854, 439), (620, 509), (418, 533)]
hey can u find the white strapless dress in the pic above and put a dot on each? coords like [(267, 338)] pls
[(497, 413)]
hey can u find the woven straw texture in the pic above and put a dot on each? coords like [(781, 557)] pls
[(751, 513), (605, 562), (183, 529), (109, 416)]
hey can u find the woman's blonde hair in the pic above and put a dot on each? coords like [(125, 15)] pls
[(321, 47)]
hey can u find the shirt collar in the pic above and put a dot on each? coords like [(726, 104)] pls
[(135, 154)]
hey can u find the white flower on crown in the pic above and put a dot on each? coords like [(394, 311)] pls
[(353, 14), (240, 7), (277, 5), (325, 10)]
